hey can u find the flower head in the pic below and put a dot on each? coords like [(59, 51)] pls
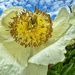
[(30, 28), (17, 55)]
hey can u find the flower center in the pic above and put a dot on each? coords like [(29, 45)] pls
[(30, 28), (32, 23)]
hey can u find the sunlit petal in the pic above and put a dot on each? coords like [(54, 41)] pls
[(72, 16)]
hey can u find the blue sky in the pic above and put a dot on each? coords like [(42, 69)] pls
[(51, 6)]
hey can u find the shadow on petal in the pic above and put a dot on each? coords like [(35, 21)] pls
[(18, 52), (33, 69)]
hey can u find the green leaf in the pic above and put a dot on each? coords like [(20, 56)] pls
[(66, 68), (71, 61), (70, 57), (72, 53), (68, 47), (60, 67), (52, 73), (74, 65), (55, 67), (48, 73), (71, 71)]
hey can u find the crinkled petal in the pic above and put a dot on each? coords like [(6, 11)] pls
[(8, 65), (18, 52), (10, 69)]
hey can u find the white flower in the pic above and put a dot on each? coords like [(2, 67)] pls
[(18, 60)]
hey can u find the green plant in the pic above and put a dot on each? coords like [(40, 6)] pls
[(67, 67)]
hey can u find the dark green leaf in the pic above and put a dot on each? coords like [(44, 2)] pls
[(71, 61), (74, 65), (71, 71), (60, 67), (72, 53), (66, 68), (55, 67), (52, 73)]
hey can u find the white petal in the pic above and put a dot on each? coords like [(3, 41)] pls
[(4, 22), (60, 26), (72, 20), (72, 16), (8, 14), (73, 10), (34, 69), (16, 8), (54, 53), (60, 23), (18, 52), (46, 56), (8, 65)]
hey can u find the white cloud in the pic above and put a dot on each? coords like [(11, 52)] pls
[(41, 2), (1, 0), (2, 6), (53, 13), (48, 1), (45, 7), (28, 5), (34, 2), (67, 1), (55, 7), (73, 2), (59, 2)]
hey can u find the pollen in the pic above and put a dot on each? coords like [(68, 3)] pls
[(71, 40), (31, 28)]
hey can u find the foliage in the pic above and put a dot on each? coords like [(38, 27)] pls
[(67, 67)]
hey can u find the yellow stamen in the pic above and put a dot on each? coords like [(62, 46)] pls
[(31, 28)]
